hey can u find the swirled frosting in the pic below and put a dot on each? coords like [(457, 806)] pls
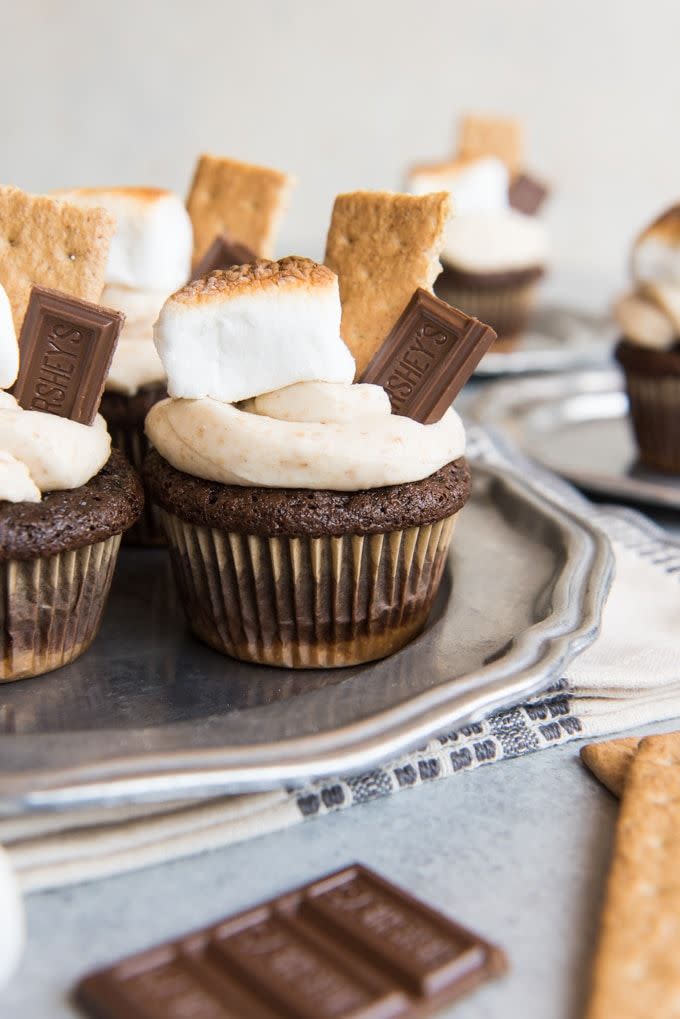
[(55, 452), (335, 436)]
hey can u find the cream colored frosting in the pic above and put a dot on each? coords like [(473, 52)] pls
[(135, 364), (343, 442), (495, 242), (57, 453), (16, 484), (650, 316)]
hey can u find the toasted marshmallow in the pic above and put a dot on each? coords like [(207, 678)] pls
[(495, 242), (643, 321), (656, 252), (151, 249), (9, 348), (476, 185), (241, 332), (16, 484), (140, 307)]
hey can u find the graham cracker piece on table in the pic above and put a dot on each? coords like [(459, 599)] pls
[(480, 136), (637, 964), (609, 762), (383, 246), (248, 202), (53, 244)]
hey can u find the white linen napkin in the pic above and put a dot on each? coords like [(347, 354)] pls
[(629, 677)]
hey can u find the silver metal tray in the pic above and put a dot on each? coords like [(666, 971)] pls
[(577, 425), (558, 339), (150, 713)]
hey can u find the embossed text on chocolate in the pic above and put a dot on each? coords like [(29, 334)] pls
[(65, 349)]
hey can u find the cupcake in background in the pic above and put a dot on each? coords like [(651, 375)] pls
[(65, 498), (496, 248), (649, 351), (149, 258)]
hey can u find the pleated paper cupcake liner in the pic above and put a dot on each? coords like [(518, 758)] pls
[(134, 445), (655, 412), (506, 309), (307, 602), (51, 608)]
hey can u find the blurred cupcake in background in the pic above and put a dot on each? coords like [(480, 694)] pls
[(496, 248), (149, 258), (649, 351)]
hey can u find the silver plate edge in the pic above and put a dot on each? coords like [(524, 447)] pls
[(495, 406), (538, 660)]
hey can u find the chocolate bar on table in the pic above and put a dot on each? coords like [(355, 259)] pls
[(222, 254), (65, 346), (349, 946), (428, 356)]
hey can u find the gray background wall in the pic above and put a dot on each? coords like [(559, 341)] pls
[(345, 94)]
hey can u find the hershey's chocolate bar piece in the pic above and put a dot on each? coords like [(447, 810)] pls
[(222, 254), (527, 194), (65, 351), (428, 356), (349, 945)]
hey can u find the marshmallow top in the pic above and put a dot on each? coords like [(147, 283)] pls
[(9, 348), (140, 307), (241, 332), (311, 435), (151, 249), (495, 242), (476, 185), (656, 252)]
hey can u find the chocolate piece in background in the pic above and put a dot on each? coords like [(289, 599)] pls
[(349, 945), (527, 193), (428, 356), (65, 351), (222, 254)]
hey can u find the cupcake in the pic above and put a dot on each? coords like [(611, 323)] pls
[(149, 258), (496, 248), (649, 351), (65, 500), (308, 525)]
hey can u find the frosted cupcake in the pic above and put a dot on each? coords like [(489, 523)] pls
[(65, 500), (149, 258), (649, 352), (308, 525), (496, 250)]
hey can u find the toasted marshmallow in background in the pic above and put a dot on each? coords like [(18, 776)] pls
[(656, 252), (140, 307), (642, 320), (476, 185), (151, 249), (667, 297), (241, 332), (495, 242), (9, 348), (12, 920)]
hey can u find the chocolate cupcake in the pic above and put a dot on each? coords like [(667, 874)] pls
[(57, 558), (496, 248), (150, 256), (649, 352), (308, 525)]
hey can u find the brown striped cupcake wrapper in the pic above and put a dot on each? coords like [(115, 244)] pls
[(655, 413), (307, 602), (505, 308), (51, 607)]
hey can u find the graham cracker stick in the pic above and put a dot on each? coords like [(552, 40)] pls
[(637, 966), (609, 762), (383, 246)]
